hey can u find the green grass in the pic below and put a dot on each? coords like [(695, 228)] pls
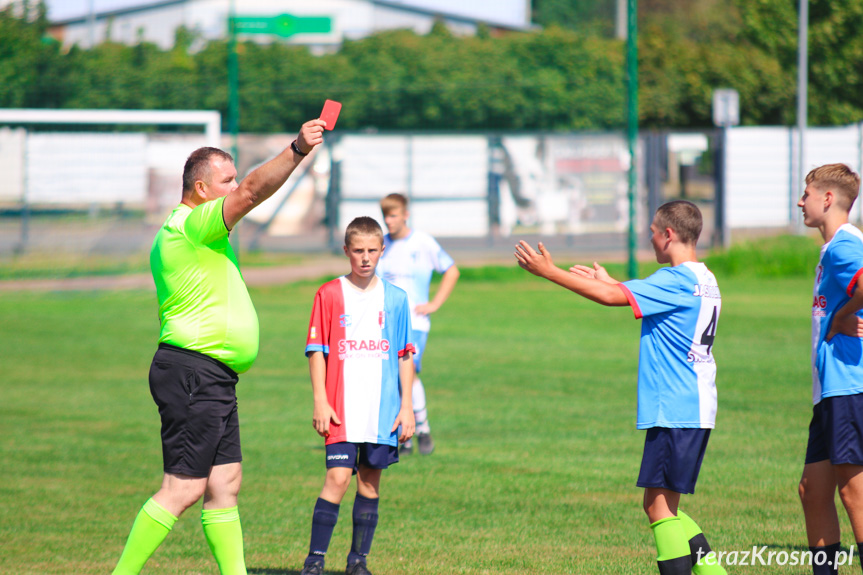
[(773, 257), (532, 399), (61, 265)]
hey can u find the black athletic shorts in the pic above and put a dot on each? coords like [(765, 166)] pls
[(373, 455), (197, 401), (672, 458), (836, 430)]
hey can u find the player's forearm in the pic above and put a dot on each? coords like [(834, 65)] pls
[(261, 184), (406, 377), (318, 374), (854, 305), (447, 284), (593, 289), (265, 180)]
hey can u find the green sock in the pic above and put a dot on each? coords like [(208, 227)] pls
[(699, 548), (225, 537), (151, 526), (672, 547)]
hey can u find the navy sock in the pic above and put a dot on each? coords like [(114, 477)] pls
[(827, 558), (323, 522), (365, 520)]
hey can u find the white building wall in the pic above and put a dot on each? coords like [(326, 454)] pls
[(832, 145), (762, 175), (351, 19), (758, 169), (12, 142), (446, 178), (515, 13), (67, 168)]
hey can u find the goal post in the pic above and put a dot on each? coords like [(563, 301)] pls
[(210, 120), (82, 167)]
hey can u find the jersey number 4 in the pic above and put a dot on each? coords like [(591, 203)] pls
[(709, 332)]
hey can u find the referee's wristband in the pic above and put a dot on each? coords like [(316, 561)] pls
[(297, 149)]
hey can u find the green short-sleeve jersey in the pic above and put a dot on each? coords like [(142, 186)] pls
[(204, 305)]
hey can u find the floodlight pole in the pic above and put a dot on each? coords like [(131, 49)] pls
[(632, 126), (233, 102), (91, 24), (620, 19), (233, 84), (802, 103)]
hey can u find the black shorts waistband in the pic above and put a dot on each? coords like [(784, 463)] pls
[(199, 355)]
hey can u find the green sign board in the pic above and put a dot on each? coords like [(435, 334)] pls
[(284, 25)]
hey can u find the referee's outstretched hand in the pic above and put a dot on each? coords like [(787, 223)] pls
[(311, 134)]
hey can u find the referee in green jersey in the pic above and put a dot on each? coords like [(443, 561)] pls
[(209, 334)]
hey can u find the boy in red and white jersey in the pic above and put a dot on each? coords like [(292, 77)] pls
[(360, 359)]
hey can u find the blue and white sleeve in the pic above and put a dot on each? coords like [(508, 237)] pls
[(847, 263), (659, 293)]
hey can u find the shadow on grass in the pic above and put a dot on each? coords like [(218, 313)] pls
[(265, 571), (785, 547)]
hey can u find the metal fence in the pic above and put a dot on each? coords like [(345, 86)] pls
[(107, 192), (95, 193)]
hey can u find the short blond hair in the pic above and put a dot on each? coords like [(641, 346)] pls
[(683, 217), (363, 226), (393, 202), (838, 178)]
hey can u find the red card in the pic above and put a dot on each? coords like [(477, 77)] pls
[(330, 113)]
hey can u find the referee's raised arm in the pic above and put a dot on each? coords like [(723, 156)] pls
[(266, 179)]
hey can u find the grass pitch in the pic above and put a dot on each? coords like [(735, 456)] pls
[(532, 400)]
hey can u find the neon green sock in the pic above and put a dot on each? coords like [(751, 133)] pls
[(225, 537), (151, 526), (672, 547), (697, 541)]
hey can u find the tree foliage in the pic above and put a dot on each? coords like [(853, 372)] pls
[(567, 76), (585, 16), (31, 67)]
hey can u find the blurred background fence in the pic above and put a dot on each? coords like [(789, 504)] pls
[(85, 193)]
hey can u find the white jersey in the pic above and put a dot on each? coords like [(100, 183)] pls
[(408, 263)]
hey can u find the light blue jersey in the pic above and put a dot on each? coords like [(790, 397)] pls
[(408, 263), (837, 364), (676, 370)]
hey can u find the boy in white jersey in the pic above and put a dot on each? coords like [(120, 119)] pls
[(834, 454), (676, 372), (408, 261), (360, 361)]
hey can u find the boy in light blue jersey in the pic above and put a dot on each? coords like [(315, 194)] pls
[(680, 308), (409, 261), (834, 454)]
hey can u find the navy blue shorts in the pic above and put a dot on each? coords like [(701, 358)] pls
[(672, 458), (420, 338), (197, 400), (836, 431), (352, 455)]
